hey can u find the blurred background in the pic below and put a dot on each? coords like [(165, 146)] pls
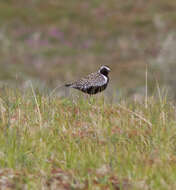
[(51, 42)]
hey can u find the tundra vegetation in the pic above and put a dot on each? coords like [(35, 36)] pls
[(81, 143), (64, 143)]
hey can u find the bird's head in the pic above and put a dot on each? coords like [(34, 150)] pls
[(104, 70)]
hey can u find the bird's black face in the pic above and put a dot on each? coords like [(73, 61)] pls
[(104, 70)]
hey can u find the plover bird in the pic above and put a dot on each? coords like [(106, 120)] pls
[(93, 83)]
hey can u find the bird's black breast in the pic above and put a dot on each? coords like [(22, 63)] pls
[(94, 89)]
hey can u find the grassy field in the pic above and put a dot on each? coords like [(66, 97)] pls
[(80, 143), (86, 144)]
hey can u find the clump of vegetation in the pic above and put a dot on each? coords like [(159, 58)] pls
[(59, 143)]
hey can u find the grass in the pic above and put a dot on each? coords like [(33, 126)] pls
[(60, 143)]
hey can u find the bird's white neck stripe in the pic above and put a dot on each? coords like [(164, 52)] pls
[(106, 78)]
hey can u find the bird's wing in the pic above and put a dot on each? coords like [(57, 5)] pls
[(93, 79)]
